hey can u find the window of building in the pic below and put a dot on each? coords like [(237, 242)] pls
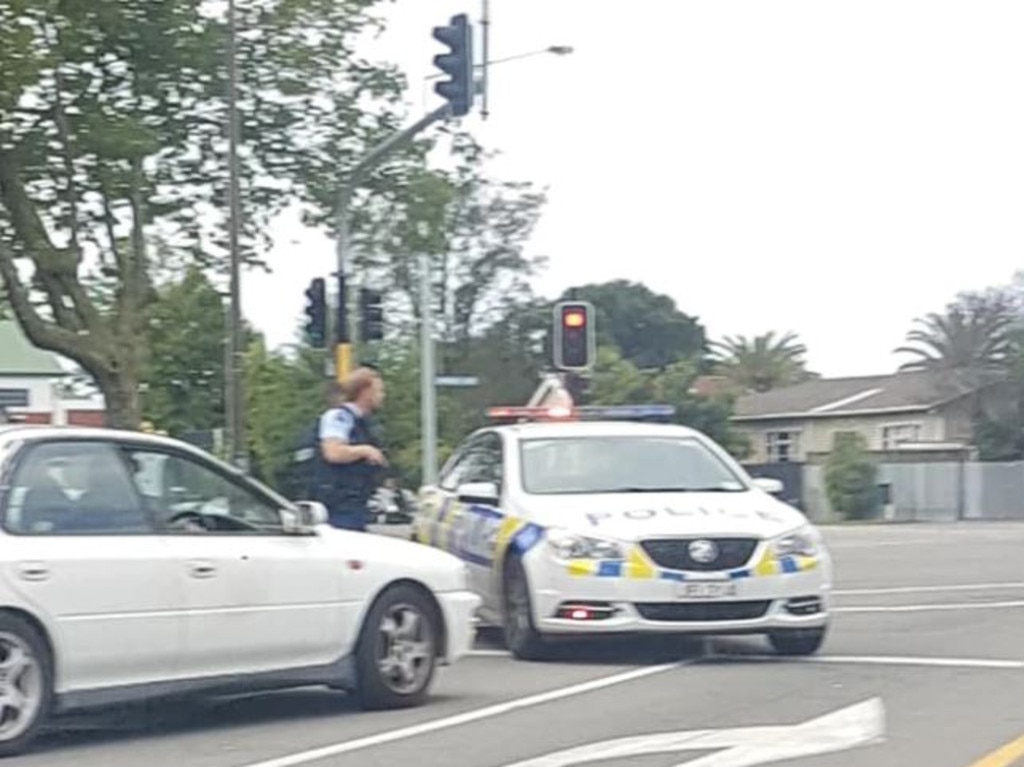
[(783, 446), (896, 433), (13, 397)]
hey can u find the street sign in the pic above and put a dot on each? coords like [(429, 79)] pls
[(858, 725), (463, 381)]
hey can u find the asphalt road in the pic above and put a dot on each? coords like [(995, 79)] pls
[(924, 666)]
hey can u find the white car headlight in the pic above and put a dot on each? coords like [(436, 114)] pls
[(569, 545), (805, 542)]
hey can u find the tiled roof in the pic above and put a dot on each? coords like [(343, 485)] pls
[(823, 397), (18, 357)]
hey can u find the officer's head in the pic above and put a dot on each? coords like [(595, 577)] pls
[(364, 388)]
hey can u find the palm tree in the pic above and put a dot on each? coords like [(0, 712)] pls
[(763, 362), (974, 335)]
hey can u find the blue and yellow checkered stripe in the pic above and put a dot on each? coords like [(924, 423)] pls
[(638, 566)]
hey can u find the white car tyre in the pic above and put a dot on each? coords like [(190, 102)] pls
[(798, 641), (398, 648), (521, 635), (26, 684)]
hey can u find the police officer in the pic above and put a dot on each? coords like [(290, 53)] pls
[(349, 461)]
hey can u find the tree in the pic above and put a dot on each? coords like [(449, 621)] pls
[(763, 362), (183, 369), (647, 327), (851, 477), (972, 335), (111, 124)]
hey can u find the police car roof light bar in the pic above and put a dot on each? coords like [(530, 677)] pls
[(590, 412)]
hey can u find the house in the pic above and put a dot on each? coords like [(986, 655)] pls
[(919, 411), (36, 388)]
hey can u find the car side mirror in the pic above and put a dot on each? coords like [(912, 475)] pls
[(308, 516), (478, 492), (770, 485)]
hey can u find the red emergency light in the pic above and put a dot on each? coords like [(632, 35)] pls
[(591, 412)]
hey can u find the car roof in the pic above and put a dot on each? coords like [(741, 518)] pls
[(549, 429)]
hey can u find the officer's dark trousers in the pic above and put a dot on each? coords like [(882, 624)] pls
[(348, 518)]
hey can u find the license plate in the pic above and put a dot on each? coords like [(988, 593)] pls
[(705, 590)]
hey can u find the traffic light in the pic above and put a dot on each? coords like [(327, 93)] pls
[(574, 335), (459, 88), (316, 313), (371, 315)]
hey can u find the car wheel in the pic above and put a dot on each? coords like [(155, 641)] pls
[(26, 684), (521, 636), (797, 641), (397, 653)]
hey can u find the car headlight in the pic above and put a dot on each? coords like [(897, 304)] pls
[(805, 542), (569, 545)]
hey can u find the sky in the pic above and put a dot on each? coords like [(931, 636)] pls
[(834, 168)]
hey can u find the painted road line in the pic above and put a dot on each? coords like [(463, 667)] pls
[(1004, 756), (886, 660), (490, 653), (858, 725), (929, 589), (929, 608), (324, 752)]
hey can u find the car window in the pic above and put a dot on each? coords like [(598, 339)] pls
[(487, 464), (74, 488), (601, 464), (188, 496)]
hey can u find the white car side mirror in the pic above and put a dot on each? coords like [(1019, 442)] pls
[(479, 492), (770, 485), (311, 514)]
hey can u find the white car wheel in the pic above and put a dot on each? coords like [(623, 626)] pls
[(398, 650), (26, 684)]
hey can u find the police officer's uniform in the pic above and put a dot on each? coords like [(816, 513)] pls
[(345, 488)]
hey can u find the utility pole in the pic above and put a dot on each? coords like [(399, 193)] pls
[(428, 391), (235, 394)]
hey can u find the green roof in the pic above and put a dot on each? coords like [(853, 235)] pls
[(18, 357)]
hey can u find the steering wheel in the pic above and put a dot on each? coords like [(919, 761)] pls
[(218, 521)]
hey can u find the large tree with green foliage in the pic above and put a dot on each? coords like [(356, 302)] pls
[(112, 116)]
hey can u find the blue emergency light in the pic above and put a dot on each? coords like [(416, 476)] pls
[(585, 413)]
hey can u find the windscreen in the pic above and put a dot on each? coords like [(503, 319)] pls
[(624, 464)]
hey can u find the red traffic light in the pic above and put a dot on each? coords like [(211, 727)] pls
[(574, 318)]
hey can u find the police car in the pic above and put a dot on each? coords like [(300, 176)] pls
[(584, 521)]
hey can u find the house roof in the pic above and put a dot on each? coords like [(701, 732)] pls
[(18, 357), (905, 392)]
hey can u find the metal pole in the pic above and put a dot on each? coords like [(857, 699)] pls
[(428, 393), (235, 404), (485, 22), (343, 350)]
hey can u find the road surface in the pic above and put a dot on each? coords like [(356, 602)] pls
[(924, 666)]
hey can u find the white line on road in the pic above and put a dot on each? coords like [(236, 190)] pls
[(927, 589), (929, 608), (890, 660), (315, 754)]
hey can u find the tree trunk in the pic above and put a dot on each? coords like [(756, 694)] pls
[(120, 386)]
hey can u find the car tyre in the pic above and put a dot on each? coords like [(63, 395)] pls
[(521, 635), (26, 684), (797, 641), (397, 651)]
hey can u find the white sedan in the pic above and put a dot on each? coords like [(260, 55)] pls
[(578, 528), (135, 566)]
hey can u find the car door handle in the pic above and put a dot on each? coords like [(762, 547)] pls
[(33, 571), (201, 569)]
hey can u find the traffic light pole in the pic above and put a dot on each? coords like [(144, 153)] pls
[(345, 340)]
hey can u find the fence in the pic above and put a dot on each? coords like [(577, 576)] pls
[(925, 492)]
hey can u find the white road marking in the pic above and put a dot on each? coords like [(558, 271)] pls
[(929, 608), (857, 725), (885, 660), (490, 653), (928, 589), (315, 754)]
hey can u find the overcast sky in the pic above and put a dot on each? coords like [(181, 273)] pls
[(834, 168)]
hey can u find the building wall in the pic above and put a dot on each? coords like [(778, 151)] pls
[(817, 435), (40, 393)]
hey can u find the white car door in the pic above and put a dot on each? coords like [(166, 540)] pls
[(81, 550), (257, 598), (468, 526)]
